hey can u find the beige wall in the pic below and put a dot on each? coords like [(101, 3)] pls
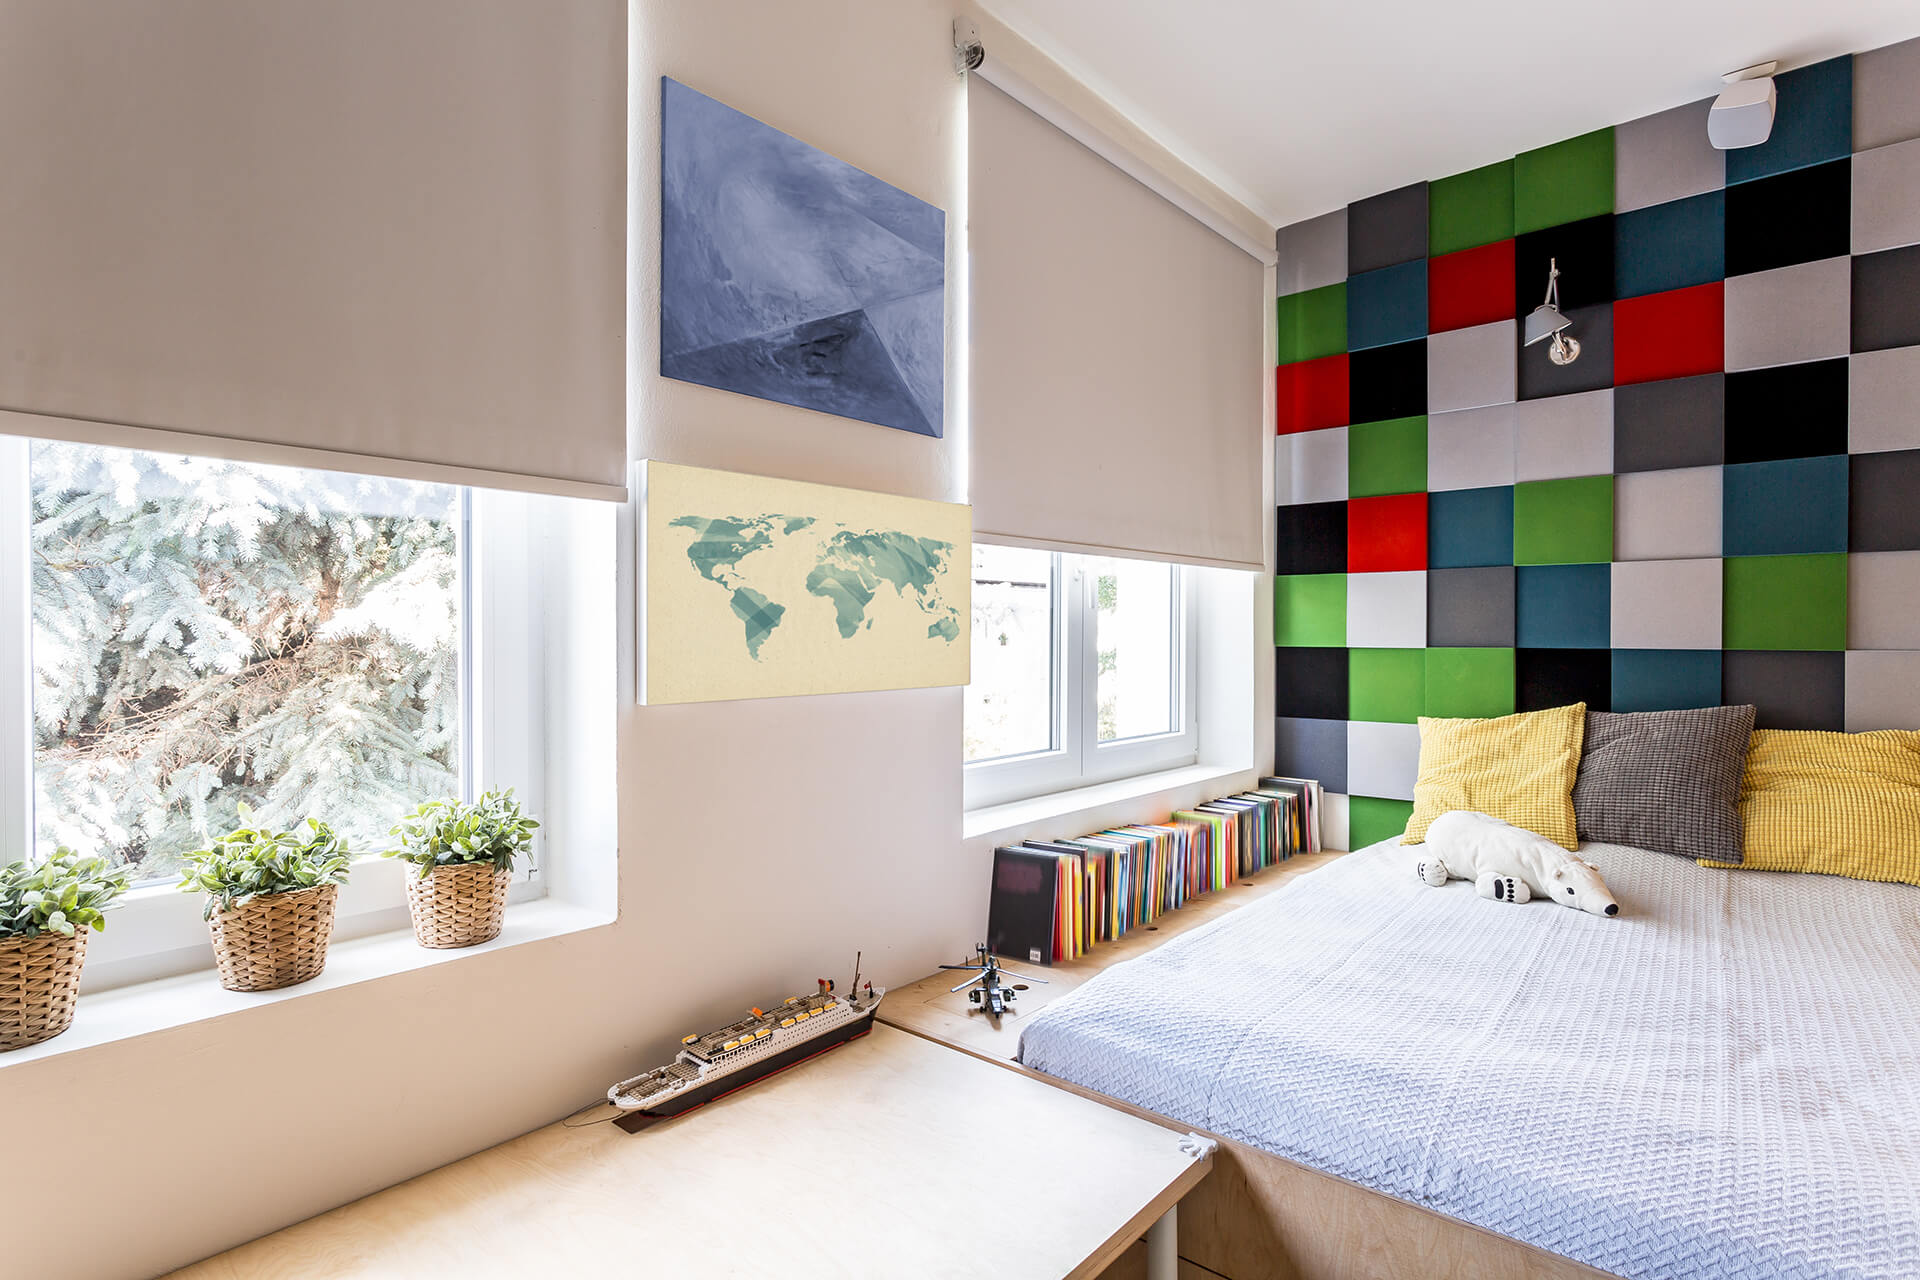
[(138, 1155)]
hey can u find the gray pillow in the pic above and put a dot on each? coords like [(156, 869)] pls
[(1665, 780)]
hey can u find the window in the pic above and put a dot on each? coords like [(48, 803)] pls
[(1083, 671), (202, 634), (1011, 699)]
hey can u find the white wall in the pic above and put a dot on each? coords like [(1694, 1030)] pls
[(132, 1157)]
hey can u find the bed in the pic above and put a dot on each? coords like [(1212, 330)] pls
[(1725, 1081)]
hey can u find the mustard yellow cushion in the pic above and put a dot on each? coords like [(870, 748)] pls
[(1842, 804), (1520, 769)]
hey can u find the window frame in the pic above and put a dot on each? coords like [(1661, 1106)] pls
[(156, 931), (1077, 757)]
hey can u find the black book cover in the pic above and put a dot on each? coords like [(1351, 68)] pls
[(1021, 908)]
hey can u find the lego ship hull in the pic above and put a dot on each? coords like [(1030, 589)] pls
[(646, 1102), (699, 1095)]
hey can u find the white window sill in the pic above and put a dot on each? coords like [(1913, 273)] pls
[(992, 820), (146, 1007)]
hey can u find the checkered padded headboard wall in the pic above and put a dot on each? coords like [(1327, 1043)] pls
[(1719, 501)]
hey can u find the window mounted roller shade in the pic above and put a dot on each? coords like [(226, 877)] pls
[(1116, 355), (361, 235)]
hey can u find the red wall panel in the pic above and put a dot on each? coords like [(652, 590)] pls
[(1669, 335), (1387, 535), (1310, 395), (1474, 286)]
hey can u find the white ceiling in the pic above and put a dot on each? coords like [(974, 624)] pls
[(1300, 106)]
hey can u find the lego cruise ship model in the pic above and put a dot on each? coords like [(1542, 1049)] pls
[(766, 1041)]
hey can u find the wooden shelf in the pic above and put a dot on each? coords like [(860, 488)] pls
[(932, 1009)]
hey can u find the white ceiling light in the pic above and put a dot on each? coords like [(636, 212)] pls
[(1742, 115)]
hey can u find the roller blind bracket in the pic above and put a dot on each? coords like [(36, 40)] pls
[(968, 52)]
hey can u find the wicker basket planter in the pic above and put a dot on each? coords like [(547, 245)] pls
[(274, 940), (39, 982), (459, 904)]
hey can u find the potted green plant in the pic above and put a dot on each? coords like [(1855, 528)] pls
[(47, 909), (270, 901), (465, 853)]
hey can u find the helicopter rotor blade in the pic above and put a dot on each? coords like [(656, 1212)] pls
[(978, 977), (1008, 973)]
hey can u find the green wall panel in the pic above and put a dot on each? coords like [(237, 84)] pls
[(1470, 209), (1312, 324), (1564, 182), (1785, 602), (1385, 685), (1310, 610), (1469, 682), (1370, 821), (1563, 521), (1387, 457)]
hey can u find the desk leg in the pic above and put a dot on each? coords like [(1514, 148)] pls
[(1163, 1246)]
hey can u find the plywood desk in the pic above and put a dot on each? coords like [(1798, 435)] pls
[(875, 1160)]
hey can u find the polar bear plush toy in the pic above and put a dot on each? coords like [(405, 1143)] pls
[(1509, 864)]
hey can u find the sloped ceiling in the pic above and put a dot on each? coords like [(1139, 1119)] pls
[(1297, 108)]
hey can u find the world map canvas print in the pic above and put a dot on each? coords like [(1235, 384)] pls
[(764, 588), (790, 275)]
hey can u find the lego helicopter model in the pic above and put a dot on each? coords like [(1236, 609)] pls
[(990, 996)]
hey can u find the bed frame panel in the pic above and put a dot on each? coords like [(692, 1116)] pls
[(1260, 1217)]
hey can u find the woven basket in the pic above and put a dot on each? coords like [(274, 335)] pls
[(39, 981), (274, 940), (459, 905)]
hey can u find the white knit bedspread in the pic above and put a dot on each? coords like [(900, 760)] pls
[(1724, 1081)]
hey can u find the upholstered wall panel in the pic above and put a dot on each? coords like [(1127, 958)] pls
[(1886, 107), (1673, 422), (1884, 400), (1564, 436), (1801, 312), (1715, 502), (1658, 159), (1387, 229), (1882, 690), (1884, 214), (1311, 466), (1661, 515), (1313, 254)]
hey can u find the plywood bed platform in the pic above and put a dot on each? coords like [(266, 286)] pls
[(1257, 1216)]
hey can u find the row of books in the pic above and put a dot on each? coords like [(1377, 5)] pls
[(1055, 900)]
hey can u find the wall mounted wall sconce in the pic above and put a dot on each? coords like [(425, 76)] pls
[(1547, 321)]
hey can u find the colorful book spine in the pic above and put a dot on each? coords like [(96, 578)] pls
[(1110, 882)]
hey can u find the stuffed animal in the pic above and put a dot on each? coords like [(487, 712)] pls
[(1509, 864)]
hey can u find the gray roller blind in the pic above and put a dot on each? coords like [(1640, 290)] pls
[(384, 235), (1116, 355)]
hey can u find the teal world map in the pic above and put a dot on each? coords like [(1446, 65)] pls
[(849, 568)]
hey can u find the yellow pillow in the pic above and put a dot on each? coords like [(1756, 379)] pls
[(1842, 804), (1520, 769)]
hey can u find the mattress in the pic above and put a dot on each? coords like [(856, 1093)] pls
[(1722, 1081)]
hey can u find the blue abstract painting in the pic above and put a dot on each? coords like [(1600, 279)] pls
[(792, 276)]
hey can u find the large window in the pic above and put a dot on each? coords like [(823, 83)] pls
[(207, 635), (203, 634), (1083, 672)]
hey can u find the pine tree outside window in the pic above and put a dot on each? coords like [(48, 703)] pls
[(201, 633)]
